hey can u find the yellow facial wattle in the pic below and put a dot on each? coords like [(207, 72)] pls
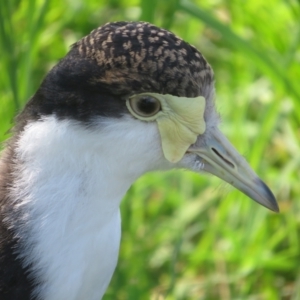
[(180, 120)]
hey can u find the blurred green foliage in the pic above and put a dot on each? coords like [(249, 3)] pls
[(183, 236)]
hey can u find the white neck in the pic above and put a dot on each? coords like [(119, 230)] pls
[(69, 182)]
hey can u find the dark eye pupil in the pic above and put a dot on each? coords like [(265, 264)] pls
[(144, 106), (147, 105)]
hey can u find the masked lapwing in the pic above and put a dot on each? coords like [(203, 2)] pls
[(127, 99)]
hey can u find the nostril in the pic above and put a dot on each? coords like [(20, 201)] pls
[(223, 158)]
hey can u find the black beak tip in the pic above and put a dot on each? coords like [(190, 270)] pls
[(272, 203)]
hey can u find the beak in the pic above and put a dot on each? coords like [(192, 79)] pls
[(221, 159)]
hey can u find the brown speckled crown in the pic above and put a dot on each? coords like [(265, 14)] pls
[(138, 57), (117, 60)]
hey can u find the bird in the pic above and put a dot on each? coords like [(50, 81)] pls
[(127, 99)]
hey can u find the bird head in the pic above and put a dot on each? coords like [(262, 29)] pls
[(157, 92)]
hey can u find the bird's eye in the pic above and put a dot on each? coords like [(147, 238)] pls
[(145, 106)]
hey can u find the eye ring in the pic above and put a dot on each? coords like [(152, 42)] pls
[(144, 106)]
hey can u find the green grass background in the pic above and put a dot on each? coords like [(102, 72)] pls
[(187, 236)]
